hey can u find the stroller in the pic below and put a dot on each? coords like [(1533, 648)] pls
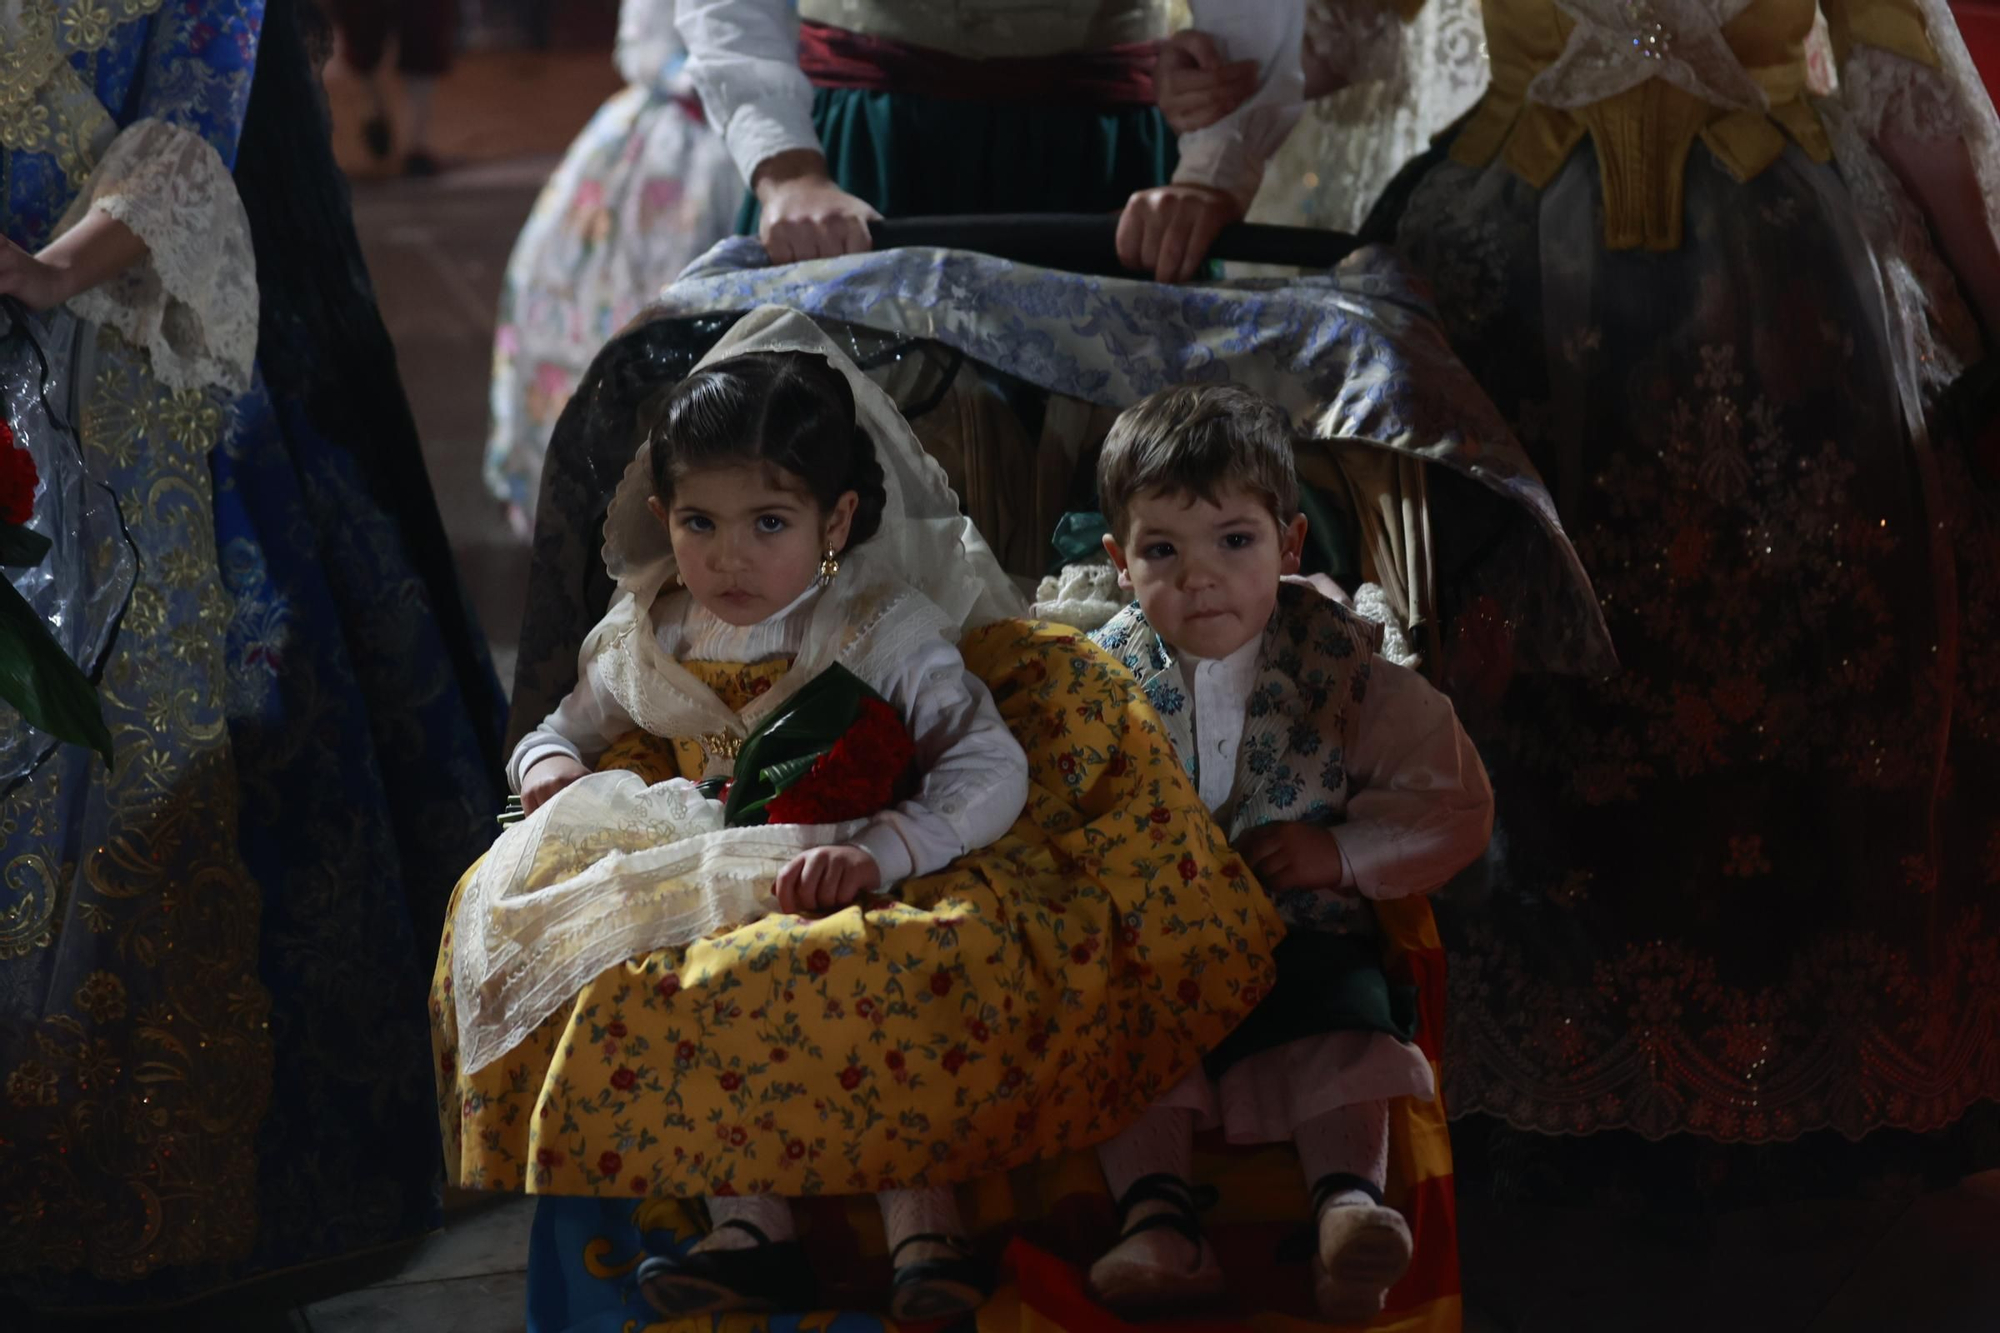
[(1010, 352)]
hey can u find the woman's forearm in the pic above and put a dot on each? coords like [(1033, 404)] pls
[(94, 251)]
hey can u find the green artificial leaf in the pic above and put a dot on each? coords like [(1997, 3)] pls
[(21, 548), (780, 751), (37, 677)]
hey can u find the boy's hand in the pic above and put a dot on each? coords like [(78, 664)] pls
[(547, 778), (826, 878), (1291, 856)]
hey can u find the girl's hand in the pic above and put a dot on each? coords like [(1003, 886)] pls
[(35, 283), (1290, 856), (1194, 86), (826, 879), (546, 778)]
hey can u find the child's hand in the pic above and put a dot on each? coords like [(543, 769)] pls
[(547, 778), (1194, 86), (827, 878), (1291, 856)]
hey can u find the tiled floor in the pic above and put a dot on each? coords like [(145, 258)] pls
[(436, 250)]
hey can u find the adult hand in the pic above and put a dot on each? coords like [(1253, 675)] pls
[(34, 282), (1290, 855), (1194, 86), (546, 778), (826, 879), (804, 214), (1167, 231)]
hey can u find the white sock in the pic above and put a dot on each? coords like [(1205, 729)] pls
[(1159, 1142), (907, 1213), (769, 1213), (1350, 1141)]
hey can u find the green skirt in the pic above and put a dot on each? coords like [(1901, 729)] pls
[(912, 156)]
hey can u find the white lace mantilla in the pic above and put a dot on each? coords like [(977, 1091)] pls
[(191, 304)]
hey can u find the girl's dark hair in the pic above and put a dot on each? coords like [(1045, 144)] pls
[(789, 410)]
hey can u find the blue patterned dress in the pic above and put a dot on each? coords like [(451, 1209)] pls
[(213, 957)]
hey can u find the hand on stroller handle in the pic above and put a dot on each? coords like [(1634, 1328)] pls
[(1087, 242)]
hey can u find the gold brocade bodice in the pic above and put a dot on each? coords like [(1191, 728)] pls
[(658, 758), (1643, 135)]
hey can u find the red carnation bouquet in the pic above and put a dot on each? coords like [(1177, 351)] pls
[(837, 751), (36, 676)]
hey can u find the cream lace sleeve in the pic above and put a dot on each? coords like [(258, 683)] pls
[(191, 304)]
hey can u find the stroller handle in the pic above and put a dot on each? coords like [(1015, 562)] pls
[(1088, 242)]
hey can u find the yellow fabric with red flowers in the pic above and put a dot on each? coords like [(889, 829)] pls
[(1029, 1000)]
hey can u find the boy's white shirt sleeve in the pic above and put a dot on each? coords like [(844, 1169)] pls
[(1422, 808), (743, 56), (1230, 154), (582, 727), (975, 774)]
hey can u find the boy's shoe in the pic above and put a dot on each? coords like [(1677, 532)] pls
[(1364, 1248), (766, 1275), (937, 1288), (1162, 1263)]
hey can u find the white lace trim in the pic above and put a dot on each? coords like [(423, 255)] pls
[(1617, 45), (1351, 44), (191, 304), (1884, 90), (608, 870), (1353, 141)]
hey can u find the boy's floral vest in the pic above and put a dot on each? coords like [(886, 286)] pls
[(1304, 707)]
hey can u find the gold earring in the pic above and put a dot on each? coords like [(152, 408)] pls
[(829, 565)]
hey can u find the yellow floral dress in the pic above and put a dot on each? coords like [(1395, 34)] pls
[(1031, 999)]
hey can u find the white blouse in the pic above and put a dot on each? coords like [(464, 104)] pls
[(743, 58), (1419, 807), (975, 775)]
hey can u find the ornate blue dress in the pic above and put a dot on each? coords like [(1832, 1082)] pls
[(213, 955)]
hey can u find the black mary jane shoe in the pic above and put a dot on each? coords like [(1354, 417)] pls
[(937, 1288), (768, 1275)]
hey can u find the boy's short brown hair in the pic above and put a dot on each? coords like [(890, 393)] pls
[(1197, 440)]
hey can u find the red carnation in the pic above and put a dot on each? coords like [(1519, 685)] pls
[(638, 1184), (732, 1081), (940, 983), (818, 961), (18, 480), (617, 1031), (1189, 991), (857, 778), (623, 1079), (850, 1077), (953, 1059), (609, 1164)]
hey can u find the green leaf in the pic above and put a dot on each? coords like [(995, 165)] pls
[(37, 677), (21, 548)]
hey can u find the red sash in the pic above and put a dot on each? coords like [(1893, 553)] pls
[(1110, 78)]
